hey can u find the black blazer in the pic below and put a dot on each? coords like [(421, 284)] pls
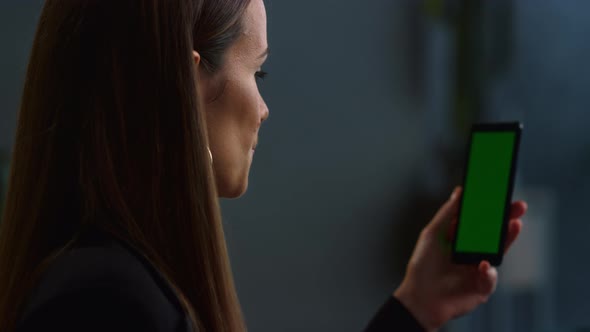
[(102, 284)]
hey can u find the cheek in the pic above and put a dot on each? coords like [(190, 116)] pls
[(245, 118), (232, 123), (235, 110)]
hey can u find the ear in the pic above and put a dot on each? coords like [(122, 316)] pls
[(197, 62), (196, 58), (206, 83)]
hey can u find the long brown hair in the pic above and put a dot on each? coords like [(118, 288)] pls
[(111, 123)]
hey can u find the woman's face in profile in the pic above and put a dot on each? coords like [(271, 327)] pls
[(234, 107)]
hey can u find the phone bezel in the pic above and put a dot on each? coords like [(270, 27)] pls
[(494, 259)]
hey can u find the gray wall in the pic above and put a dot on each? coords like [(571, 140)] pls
[(349, 166)]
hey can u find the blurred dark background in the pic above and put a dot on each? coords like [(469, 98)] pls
[(370, 103)]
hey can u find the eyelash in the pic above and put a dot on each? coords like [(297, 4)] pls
[(261, 74)]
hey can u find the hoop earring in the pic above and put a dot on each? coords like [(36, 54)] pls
[(210, 155)]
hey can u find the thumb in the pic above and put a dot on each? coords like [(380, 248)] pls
[(446, 212)]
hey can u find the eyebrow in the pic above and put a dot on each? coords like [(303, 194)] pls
[(265, 53)]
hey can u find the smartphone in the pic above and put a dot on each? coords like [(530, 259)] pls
[(484, 209)]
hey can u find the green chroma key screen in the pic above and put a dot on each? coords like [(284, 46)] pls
[(485, 190)]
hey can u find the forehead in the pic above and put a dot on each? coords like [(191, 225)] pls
[(253, 38)]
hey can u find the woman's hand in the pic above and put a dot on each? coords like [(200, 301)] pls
[(434, 289)]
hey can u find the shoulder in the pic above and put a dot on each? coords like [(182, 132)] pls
[(98, 288)]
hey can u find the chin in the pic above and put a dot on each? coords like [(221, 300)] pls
[(233, 190)]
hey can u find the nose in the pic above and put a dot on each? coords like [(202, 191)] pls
[(264, 111)]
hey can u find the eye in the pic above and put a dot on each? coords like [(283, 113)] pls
[(260, 75)]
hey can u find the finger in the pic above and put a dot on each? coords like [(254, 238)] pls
[(451, 230), (444, 214), (514, 228), (518, 209), (487, 278), (483, 266)]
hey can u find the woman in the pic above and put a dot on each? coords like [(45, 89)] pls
[(135, 117)]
